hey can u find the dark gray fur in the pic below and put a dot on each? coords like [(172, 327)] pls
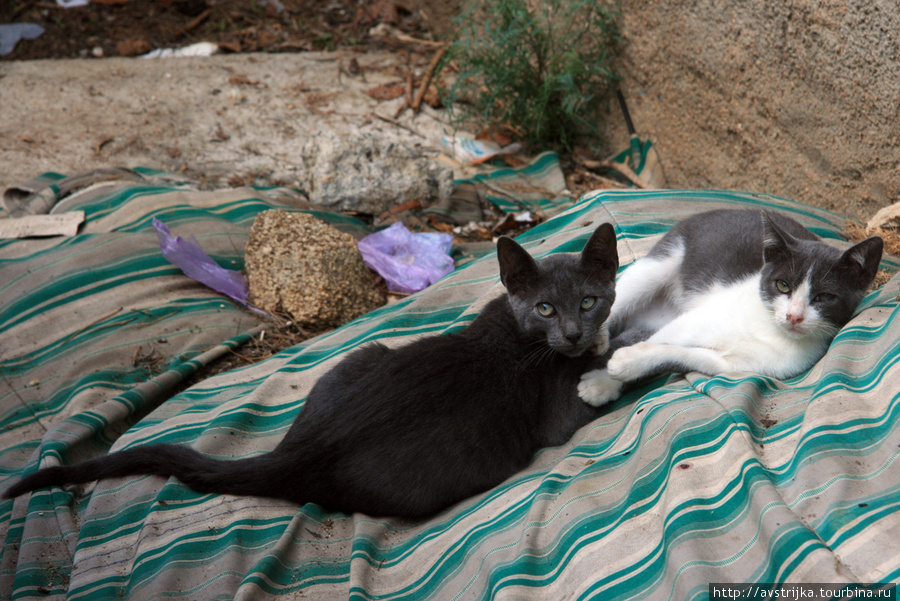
[(711, 240), (412, 430)]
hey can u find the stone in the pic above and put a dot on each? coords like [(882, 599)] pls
[(300, 265), (370, 174)]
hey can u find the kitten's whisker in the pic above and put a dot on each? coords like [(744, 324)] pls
[(537, 355), (828, 271)]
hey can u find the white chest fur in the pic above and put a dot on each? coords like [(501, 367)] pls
[(733, 320)]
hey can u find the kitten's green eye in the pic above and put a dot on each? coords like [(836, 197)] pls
[(824, 297), (588, 302), (546, 309), (783, 287)]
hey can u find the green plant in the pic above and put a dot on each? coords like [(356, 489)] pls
[(325, 41), (541, 68)]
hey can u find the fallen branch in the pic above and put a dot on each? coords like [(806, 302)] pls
[(196, 22), (397, 123), (429, 75), (625, 170), (605, 180)]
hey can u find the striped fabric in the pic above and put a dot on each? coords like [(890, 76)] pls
[(686, 481)]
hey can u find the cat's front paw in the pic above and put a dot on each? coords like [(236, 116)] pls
[(625, 364), (598, 388)]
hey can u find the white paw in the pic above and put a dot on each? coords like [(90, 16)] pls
[(598, 388), (625, 364)]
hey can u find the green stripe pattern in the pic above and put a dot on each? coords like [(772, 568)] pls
[(685, 481)]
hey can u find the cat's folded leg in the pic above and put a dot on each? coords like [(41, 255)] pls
[(647, 282), (601, 341), (646, 359), (597, 388)]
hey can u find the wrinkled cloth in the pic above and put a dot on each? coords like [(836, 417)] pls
[(684, 481)]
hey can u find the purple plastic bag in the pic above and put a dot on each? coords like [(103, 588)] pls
[(408, 262), (197, 265)]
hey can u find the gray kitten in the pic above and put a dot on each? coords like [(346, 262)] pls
[(733, 290), (409, 431)]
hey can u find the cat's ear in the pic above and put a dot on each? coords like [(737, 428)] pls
[(517, 268), (600, 254), (776, 241), (860, 261)]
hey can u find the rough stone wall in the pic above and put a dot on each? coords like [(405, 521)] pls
[(799, 99)]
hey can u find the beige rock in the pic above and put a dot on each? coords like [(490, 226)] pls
[(300, 265)]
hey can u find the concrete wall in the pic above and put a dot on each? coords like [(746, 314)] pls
[(794, 98)]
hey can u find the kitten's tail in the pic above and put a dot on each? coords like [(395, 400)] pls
[(251, 476)]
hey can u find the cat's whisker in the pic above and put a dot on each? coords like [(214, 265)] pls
[(538, 355)]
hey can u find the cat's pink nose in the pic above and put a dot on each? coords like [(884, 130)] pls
[(794, 319)]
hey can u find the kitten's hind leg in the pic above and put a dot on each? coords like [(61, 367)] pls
[(647, 359)]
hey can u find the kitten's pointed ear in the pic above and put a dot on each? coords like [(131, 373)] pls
[(600, 253), (517, 268), (776, 241), (861, 261)]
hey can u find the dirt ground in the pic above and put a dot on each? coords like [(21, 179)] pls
[(800, 100), (127, 28)]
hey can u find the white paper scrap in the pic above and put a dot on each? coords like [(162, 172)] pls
[(60, 224)]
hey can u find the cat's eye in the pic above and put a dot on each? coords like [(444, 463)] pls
[(546, 309), (783, 287), (588, 302), (824, 297)]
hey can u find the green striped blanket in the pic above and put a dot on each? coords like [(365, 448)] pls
[(687, 481)]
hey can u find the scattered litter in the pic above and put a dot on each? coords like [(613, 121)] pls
[(479, 230), (512, 221), (59, 224), (12, 33), (274, 5), (72, 3), (408, 262), (197, 265), (198, 49), (887, 217), (469, 151)]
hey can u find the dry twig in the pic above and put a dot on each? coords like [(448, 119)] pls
[(426, 80)]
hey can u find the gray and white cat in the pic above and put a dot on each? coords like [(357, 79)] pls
[(733, 290)]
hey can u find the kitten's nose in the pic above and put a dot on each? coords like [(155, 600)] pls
[(573, 337), (794, 318)]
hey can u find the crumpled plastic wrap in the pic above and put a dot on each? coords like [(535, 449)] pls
[(197, 265), (12, 33), (408, 262)]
